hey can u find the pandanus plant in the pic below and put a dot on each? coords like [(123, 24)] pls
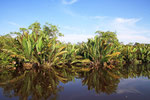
[(53, 53), (143, 53), (4, 58), (128, 54), (99, 52), (38, 47), (72, 57)]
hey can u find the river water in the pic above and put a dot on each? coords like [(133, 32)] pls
[(125, 83)]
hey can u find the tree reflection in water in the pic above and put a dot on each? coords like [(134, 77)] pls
[(35, 85), (45, 83), (106, 80), (101, 80), (133, 71)]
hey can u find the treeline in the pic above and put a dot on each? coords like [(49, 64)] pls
[(39, 47)]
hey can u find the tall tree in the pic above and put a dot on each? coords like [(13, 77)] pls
[(110, 37)]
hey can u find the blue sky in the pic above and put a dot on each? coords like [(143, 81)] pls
[(79, 19)]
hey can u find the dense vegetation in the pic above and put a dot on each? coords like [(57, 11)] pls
[(38, 47)]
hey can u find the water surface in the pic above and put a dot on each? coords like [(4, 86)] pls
[(126, 83)]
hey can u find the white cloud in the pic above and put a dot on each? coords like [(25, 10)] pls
[(126, 38), (128, 21), (74, 34), (70, 12), (14, 24), (127, 29), (72, 29), (74, 38), (98, 17), (69, 2)]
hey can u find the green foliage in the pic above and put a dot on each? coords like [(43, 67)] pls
[(128, 53), (71, 57), (99, 51), (5, 59), (110, 37), (51, 30), (39, 45), (143, 53)]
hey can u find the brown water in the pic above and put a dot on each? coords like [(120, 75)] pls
[(126, 83)]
